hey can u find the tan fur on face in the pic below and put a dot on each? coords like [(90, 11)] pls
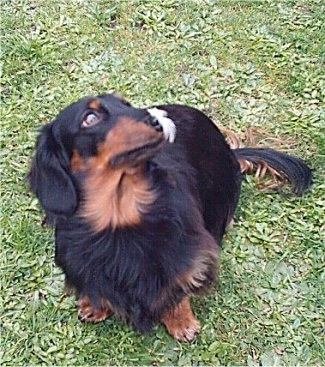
[(116, 196), (77, 164), (95, 104), (128, 134)]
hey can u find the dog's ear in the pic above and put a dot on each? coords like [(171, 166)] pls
[(49, 177)]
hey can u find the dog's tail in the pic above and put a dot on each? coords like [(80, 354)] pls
[(282, 167)]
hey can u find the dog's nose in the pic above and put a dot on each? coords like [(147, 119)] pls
[(153, 121)]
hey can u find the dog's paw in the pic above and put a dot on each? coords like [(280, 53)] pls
[(159, 118), (185, 331), (87, 313), (181, 323)]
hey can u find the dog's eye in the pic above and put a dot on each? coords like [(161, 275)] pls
[(90, 119)]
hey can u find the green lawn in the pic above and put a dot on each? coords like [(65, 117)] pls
[(258, 63)]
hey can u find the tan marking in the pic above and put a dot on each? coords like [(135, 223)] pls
[(181, 323), (261, 169), (95, 104), (203, 270), (118, 196), (233, 139), (200, 276), (114, 198), (197, 275), (88, 313), (77, 164)]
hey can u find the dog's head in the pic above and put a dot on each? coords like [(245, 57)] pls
[(90, 136)]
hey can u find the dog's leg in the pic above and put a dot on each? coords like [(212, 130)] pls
[(88, 313), (181, 322)]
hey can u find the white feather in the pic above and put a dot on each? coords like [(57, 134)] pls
[(166, 123)]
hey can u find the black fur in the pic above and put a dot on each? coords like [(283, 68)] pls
[(197, 180), (296, 170)]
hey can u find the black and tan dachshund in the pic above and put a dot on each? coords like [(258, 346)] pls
[(140, 207)]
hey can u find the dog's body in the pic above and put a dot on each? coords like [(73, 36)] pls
[(139, 221)]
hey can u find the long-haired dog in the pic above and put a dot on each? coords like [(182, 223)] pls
[(139, 214)]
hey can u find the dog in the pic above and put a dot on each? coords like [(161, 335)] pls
[(140, 200)]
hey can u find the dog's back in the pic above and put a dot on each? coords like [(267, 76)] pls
[(201, 146)]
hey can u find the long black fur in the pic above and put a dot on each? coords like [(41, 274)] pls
[(198, 182), (296, 170)]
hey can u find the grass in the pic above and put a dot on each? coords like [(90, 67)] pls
[(258, 63)]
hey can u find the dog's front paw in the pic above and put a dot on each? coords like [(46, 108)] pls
[(161, 121), (87, 313), (181, 323), (184, 330)]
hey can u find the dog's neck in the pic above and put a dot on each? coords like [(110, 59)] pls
[(116, 197)]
